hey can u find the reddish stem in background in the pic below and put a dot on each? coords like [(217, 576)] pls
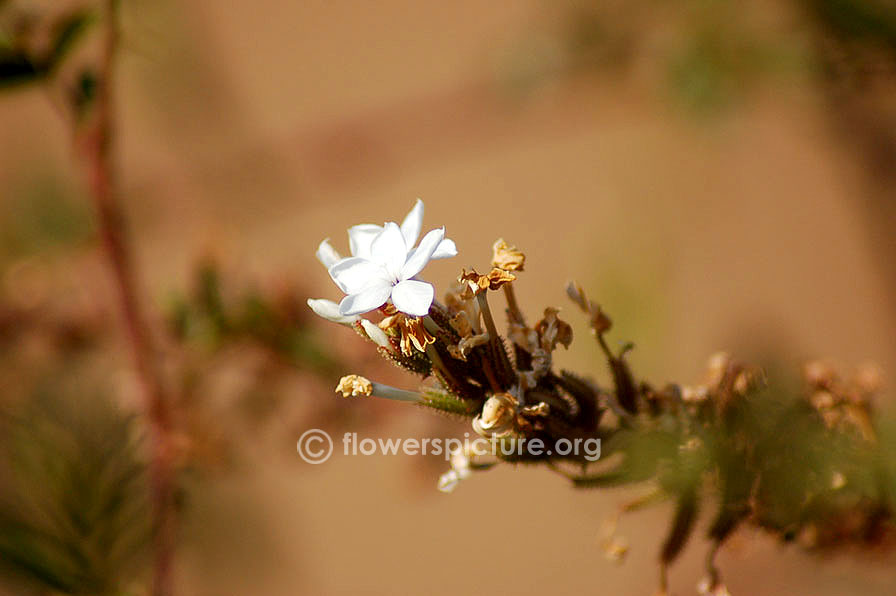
[(96, 142)]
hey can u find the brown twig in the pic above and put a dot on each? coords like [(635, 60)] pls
[(96, 142)]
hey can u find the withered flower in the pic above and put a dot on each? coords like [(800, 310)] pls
[(354, 386), (474, 283), (553, 331), (507, 257), (410, 331), (600, 323), (498, 414)]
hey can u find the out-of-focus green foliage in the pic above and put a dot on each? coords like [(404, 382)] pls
[(861, 21), (20, 61), (709, 55), (74, 512), (277, 322), (42, 216)]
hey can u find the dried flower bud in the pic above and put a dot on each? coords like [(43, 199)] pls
[(506, 257), (497, 416), (353, 386)]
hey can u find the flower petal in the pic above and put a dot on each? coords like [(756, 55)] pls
[(389, 249), (354, 274), (360, 237), (329, 310), (445, 249), (326, 254), (421, 255), (413, 297), (412, 224), (370, 298)]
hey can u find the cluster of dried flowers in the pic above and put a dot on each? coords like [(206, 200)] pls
[(810, 468)]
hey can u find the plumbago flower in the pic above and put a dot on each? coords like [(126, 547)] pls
[(720, 440), (383, 268)]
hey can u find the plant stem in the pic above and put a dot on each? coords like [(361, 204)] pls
[(97, 145)]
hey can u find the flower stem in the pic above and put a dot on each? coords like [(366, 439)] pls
[(487, 315), (513, 308), (96, 142), (389, 392), (433, 354)]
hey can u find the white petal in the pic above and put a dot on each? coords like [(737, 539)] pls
[(445, 249), (370, 298), (375, 333), (389, 249), (327, 255), (329, 310), (354, 274), (360, 237), (412, 224), (412, 297), (421, 255)]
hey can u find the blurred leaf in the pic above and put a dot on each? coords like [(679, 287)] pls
[(73, 514), (16, 68), (19, 67), (67, 31), (84, 91), (42, 216), (859, 20)]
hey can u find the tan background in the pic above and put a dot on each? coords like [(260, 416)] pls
[(252, 130)]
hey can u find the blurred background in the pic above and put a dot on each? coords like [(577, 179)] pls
[(717, 175)]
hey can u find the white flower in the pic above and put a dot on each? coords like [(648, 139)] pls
[(383, 266), (388, 272), (329, 310), (361, 236)]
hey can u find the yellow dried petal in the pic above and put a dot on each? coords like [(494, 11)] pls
[(474, 282), (498, 277), (409, 330)]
